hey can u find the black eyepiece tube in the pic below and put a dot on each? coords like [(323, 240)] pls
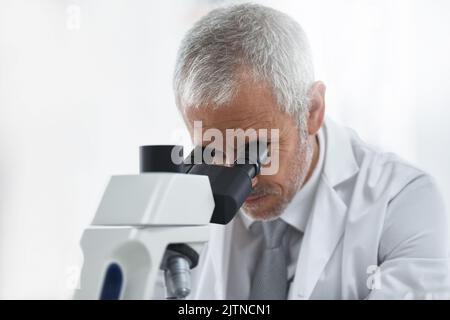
[(161, 158), (232, 185)]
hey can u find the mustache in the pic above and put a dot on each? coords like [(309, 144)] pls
[(261, 191)]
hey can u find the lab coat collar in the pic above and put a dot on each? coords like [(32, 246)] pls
[(340, 163), (326, 224)]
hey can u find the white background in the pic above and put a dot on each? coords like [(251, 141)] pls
[(84, 83)]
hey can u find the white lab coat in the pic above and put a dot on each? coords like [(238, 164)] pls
[(378, 229)]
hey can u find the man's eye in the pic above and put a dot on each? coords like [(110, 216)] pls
[(219, 158)]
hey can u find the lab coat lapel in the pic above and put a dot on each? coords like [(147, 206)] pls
[(325, 228), (326, 223)]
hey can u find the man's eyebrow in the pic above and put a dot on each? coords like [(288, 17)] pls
[(265, 140)]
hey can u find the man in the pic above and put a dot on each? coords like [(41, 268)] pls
[(339, 219)]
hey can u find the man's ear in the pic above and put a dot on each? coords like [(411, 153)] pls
[(317, 107)]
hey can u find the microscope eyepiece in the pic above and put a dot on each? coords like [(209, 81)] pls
[(231, 185), (252, 158), (160, 158)]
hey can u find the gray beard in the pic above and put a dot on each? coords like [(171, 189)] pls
[(297, 179)]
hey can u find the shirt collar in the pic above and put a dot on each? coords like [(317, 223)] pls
[(297, 212)]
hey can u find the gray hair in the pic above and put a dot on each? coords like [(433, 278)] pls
[(268, 43)]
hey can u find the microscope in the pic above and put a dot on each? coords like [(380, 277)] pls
[(157, 222)]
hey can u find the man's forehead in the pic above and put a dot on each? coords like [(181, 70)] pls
[(231, 118), (252, 104)]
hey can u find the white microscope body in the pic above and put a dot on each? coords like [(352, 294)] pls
[(158, 221), (138, 217)]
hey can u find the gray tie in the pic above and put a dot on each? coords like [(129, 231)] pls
[(270, 277)]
